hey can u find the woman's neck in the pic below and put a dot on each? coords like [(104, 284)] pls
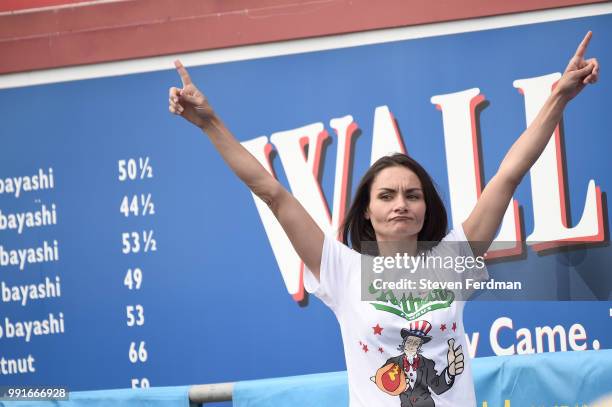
[(393, 247)]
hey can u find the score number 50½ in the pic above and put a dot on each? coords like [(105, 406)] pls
[(135, 170)]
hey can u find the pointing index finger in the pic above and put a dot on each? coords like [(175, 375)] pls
[(580, 51), (182, 72)]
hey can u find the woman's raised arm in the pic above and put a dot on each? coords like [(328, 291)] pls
[(304, 234), (481, 226)]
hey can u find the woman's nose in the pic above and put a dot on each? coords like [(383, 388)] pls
[(401, 203)]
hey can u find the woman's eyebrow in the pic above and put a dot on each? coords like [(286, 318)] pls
[(385, 189)]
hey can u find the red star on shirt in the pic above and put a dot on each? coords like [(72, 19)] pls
[(380, 350), (454, 327), (442, 327), (377, 329), (365, 348)]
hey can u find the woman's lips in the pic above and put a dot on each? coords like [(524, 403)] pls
[(401, 218)]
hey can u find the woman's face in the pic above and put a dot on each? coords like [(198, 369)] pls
[(397, 204)]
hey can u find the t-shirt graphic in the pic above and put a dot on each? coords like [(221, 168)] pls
[(411, 375)]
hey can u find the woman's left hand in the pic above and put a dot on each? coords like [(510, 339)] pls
[(579, 71)]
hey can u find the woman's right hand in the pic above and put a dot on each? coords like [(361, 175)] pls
[(189, 102)]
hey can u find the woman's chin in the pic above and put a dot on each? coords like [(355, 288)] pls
[(404, 234)]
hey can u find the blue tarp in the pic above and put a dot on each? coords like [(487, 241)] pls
[(562, 378), (547, 379), (323, 389)]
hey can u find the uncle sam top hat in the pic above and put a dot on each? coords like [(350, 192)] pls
[(420, 329)]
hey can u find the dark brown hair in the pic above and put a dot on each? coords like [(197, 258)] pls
[(359, 229)]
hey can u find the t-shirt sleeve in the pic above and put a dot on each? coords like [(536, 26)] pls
[(337, 262), (465, 250)]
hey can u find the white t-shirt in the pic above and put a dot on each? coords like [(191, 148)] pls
[(371, 333)]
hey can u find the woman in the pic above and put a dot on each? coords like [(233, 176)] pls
[(395, 205)]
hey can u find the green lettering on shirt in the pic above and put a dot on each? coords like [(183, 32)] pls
[(411, 308)]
